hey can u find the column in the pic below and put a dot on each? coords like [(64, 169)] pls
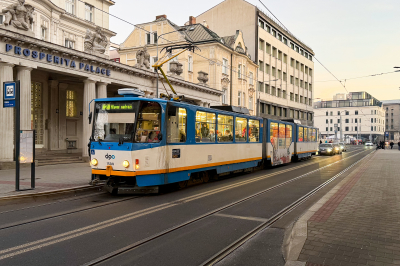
[(89, 93), (53, 115), (62, 115), (101, 90), (24, 76), (6, 118)]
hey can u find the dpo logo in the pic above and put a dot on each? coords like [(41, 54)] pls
[(109, 157)]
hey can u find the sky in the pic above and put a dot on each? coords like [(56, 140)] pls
[(351, 38)]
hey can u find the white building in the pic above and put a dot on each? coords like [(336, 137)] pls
[(359, 114), (58, 50), (285, 76)]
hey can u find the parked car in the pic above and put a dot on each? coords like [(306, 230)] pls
[(343, 146), (337, 148), (326, 148), (369, 143)]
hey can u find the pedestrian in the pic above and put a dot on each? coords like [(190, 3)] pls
[(391, 145), (320, 142), (398, 145)]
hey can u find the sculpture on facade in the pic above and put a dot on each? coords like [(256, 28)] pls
[(96, 41), (203, 77), (143, 58), (19, 15)]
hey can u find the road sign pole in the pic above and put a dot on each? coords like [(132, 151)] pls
[(17, 132)]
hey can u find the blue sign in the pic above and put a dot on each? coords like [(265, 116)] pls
[(8, 94), (386, 134), (57, 60)]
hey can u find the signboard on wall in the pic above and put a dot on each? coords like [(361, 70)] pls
[(8, 94), (26, 146)]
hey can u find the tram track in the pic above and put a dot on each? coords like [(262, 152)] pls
[(134, 197), (233, 246)]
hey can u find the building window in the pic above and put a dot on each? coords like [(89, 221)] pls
[(331, 121), (43, 33), (190, 63), (239, 98), (69, 44), (285, 58), (225, 66), (261, 23), (71, 103), (356, 112), (331, 113), (260, 86), (273, 71), (284, 94), (274, 52), (70, 6), (267, 69), (297, 82), (240, 71), (274, 33), (148, 38), (273, 91), (347, 121), (267, 48), (355, 128), (284, 76), (251, 103), (346, 128), (327, 121), (89, 12), (292, 45), (267, 88), (326, 113), (260, 65), (224, 96), (291, 113), (251, 78), (261, 45), (291, 96), (285, 40), (296, 97)]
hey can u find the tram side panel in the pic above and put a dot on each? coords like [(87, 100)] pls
[(279, 145)]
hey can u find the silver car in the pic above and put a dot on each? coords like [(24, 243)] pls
[(327, 148)]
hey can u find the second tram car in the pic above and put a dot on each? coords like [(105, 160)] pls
[(140, 143)]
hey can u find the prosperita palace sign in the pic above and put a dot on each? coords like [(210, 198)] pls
[(57, 60)]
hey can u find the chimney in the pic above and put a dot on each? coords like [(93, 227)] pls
[(192, 20), (161, 16)]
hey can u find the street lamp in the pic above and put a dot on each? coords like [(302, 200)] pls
[(181, 29)]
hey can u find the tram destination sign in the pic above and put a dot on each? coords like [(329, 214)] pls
[(57, 60)]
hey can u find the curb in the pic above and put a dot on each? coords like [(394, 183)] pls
[(50, 192), (295, 240)]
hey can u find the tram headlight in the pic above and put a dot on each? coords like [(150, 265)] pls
[(137, 164), (94, 162), (125, 164)]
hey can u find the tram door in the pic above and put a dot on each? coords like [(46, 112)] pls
[(281, 141)]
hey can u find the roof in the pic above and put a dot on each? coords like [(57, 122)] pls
[(200, 33), (388, 102), (229, 40)]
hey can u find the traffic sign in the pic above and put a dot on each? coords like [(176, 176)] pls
[(386, 134), (8, 94)]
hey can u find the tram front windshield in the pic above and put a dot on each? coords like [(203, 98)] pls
[(137, 121)]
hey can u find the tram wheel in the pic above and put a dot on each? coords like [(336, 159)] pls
[(182, 184), (205, 177)]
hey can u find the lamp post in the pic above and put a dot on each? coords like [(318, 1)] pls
[(158, 37), (341, 125)]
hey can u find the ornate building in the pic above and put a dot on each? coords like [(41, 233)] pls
[(59, 50), (210, 66)]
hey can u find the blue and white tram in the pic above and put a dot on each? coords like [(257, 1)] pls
[(144, 142), (306, 143), (139, 144)]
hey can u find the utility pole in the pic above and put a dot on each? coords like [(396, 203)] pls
[(341, 128)]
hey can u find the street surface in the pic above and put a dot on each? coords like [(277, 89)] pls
[(181, 227)]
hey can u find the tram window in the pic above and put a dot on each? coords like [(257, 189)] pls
[(148, 122), (176, 128), (313, 135), (305, 134), (300, 136), (282, 136), (288, 135), (205, 127), (241, 129), (254, 130), (225, 128), (113, 121), (273, 134)]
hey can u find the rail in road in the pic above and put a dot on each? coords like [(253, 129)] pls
[(124, 252)]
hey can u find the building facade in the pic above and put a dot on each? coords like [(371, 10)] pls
[(58, 81), (210, 65), (360, 116), (285, 75), (392, 119)]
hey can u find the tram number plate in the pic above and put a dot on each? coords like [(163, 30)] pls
[(176, 153)]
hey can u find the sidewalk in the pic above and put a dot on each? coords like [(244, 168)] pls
[(48, 178), (358, 222)]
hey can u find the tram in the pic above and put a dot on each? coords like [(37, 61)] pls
[(139, 144)]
